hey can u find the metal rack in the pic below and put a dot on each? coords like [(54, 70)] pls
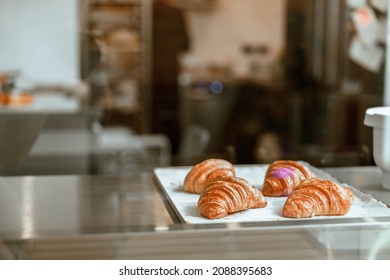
[(115, 59)]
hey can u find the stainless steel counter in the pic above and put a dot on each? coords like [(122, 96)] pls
[(119, 217)]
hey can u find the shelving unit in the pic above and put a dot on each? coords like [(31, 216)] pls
[(115, 58)]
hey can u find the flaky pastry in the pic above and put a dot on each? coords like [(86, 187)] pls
[(205, 171), (227, 195), (318, 197), (283, 176)]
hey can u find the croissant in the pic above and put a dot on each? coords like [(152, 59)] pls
[(206, 171), (318, 197), (282, 176), (227, 195)]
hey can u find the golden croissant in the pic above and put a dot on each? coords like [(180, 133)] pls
[(318, 197), (227, 195), (206, 171), (283, 176)]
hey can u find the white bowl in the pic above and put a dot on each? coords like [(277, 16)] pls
[(379, 119)]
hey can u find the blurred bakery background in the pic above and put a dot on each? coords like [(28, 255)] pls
[(122, 86)]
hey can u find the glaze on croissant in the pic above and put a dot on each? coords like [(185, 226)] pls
[(283, 176), (206, 171), (317, 197), (227, 195)]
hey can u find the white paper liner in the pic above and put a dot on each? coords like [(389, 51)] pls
[(185, 204)]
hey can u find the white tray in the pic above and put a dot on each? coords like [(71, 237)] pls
[(185, 204)]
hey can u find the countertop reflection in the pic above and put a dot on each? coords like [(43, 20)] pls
[(36, 206)]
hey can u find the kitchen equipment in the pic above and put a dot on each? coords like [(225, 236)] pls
[(38, 129), (379, 119), (18, 133), (204, 90)]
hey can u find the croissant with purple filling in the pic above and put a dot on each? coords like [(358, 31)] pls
[(227, 195), (318, 197), (283, 176), (205, 171)]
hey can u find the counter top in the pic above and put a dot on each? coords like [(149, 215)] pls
[(126, 217), (46, 206)]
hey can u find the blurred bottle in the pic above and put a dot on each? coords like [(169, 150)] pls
[(9, 95), (3, 90)]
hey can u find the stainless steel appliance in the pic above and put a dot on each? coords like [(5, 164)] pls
[(329, 90)]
